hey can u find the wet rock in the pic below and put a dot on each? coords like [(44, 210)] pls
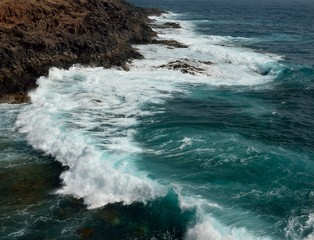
[(170, 43), (184, 66), (171, 25), (206, 62), (96, 101), (166, 25), (14, 98), (153, 11)]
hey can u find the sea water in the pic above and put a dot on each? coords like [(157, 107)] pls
[(154, 153)]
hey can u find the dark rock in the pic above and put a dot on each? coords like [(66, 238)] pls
[(206, 62), (96, 101), (153, 11), (184, 66), (36, 35), (166, 25), (14, 98), (171, 25), (170, 43)]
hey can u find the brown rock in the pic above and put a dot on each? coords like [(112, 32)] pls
[(36, 35), (14, 98)]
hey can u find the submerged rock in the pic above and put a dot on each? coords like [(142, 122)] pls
[(110, 214), (36, 35), (86, 232), (28, 184)]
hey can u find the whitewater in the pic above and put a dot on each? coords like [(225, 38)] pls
[(86, 118), (222, 151)]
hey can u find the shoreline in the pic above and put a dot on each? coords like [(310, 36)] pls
[(36, 36)]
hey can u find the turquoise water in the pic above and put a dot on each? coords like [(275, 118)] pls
[(153, 153)]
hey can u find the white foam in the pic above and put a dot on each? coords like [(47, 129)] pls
[(197, 203), (86, 118), (233, 65), (209, 229), (206, 227), (301, 227), (186, 142)]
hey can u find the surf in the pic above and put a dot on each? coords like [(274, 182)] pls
[(87, 119)]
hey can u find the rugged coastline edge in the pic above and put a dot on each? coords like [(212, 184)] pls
[(36, 35)]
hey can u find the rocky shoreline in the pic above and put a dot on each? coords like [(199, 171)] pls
[(36, 35)]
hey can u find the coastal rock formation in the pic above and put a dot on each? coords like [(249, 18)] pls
[(170, 43), (166, 25), (187, 66), (36, 35)]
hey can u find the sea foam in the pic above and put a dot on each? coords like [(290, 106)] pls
[(210, 229), (87, 117)]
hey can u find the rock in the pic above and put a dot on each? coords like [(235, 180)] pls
[(171, 25), (14, 98), (170, 43), (184, 66), (166, 25), (36, 35), (206, 62), (153, 11)]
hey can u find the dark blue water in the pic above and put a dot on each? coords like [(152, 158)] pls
[(236, 158), (284, 27), (264, 162)]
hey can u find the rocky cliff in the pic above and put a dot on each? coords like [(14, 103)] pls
[(38, 34)]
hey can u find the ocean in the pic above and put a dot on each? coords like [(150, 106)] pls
[(224, 151)]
